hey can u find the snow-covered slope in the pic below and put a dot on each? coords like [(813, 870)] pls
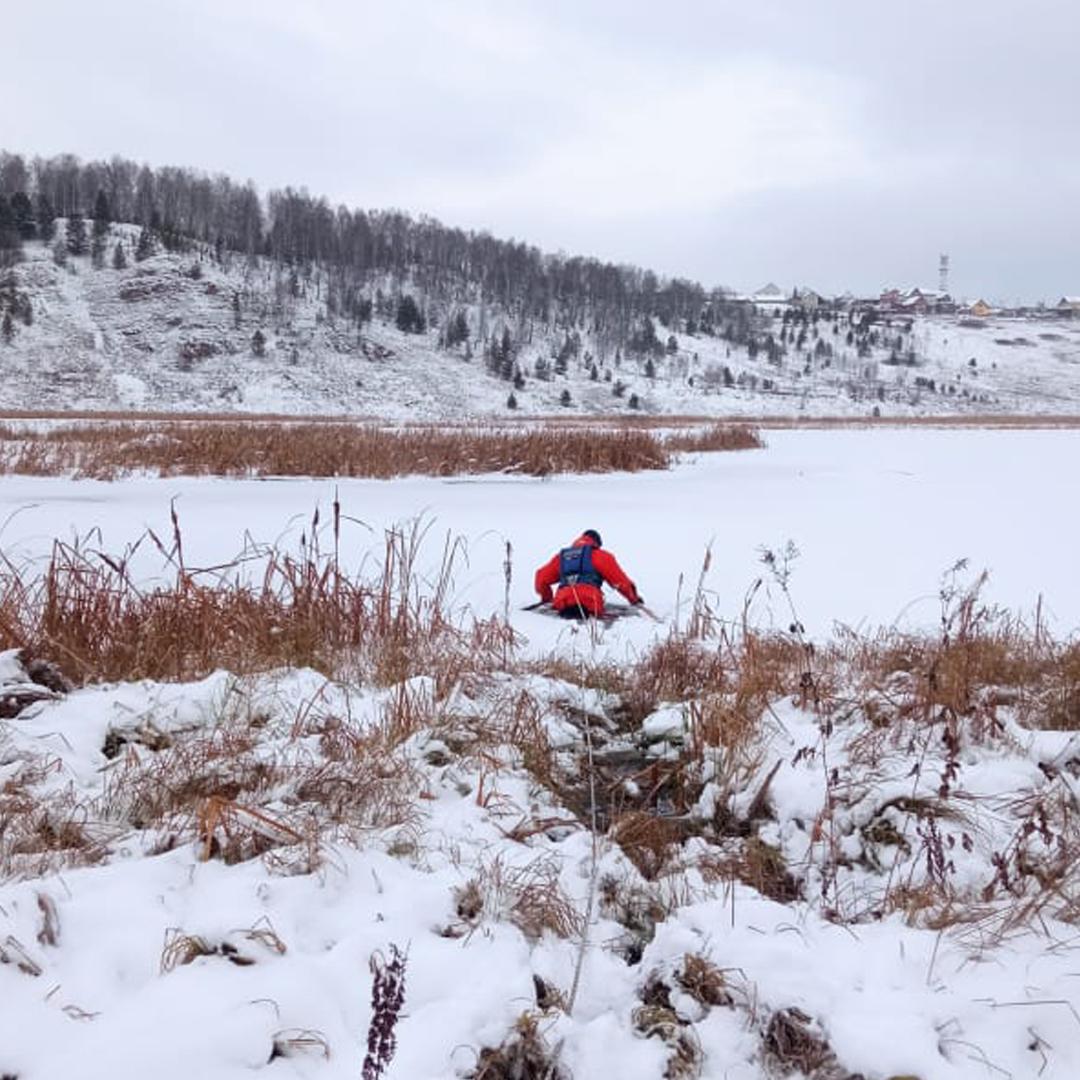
[(166, 334)]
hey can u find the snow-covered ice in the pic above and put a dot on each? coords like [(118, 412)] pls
[(878, 516)]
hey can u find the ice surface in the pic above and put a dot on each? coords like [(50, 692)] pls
[(878, 516)]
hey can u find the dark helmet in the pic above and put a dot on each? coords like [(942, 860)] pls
[(594, 536)]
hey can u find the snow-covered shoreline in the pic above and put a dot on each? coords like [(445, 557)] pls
[(169, 955)]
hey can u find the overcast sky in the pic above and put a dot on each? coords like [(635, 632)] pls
[(842, 144)]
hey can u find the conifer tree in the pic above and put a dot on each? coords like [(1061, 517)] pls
[(144, 247), (457, 330), (409, 319), (119, 259), (10, 241), (22, 210), (493, 355), (506, 365), (258, 343), (46, 219), (7, 328), (101, 215), (76, 234)]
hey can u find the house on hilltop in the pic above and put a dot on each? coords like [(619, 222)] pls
[(770, 298), (1069, 306), (916, 301), (980, 309), (808, 300)]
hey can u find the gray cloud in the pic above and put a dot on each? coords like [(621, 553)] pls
[(842, 144)]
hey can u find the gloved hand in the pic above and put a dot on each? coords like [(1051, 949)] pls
[(638, 602)]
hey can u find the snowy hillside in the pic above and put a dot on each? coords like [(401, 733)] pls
[(177, 332)]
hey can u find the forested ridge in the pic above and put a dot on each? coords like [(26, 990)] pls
[(366, 309), (357, 252)]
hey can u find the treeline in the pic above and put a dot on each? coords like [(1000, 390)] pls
[(355, 248)]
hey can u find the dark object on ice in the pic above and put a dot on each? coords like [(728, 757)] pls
[(611, 613)]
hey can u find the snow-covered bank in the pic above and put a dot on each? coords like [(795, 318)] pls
[(237, 943)]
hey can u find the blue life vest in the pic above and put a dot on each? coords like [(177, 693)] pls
[(576, 567)]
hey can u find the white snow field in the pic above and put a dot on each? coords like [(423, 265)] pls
[(97, 981)]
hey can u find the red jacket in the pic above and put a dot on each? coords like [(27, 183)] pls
[(589, 597)]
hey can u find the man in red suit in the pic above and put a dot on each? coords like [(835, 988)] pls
[(580, 571)]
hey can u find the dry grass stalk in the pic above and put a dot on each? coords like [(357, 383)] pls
[(648, 841), (49, 934), (658, 1021), (528, 896), (229, 817), (792, 1044), (704, 981), (540, 906), (762, 867), (40, 834), (180, 949), (264, 934), (523, 1055), (12, 951)]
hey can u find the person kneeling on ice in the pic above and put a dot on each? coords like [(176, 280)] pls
[(580, 571)]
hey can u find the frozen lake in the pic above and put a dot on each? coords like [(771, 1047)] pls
[(878, 516)]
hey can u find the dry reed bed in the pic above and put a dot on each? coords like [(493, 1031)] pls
[(888, 698), (84, 611), (107, 450)]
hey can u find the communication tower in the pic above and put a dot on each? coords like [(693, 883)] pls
[(943, 273)]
